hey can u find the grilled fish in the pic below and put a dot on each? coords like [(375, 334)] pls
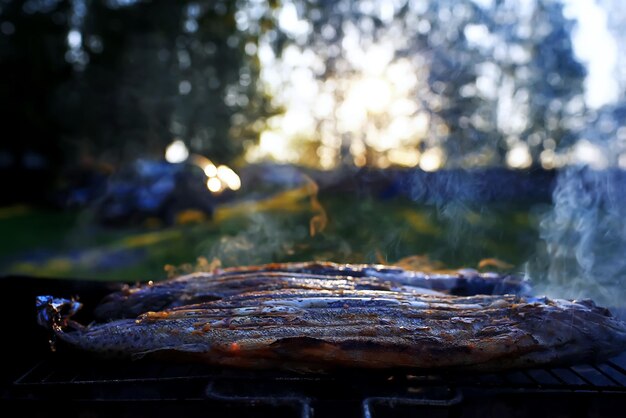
[(309, 330), (201, 287)]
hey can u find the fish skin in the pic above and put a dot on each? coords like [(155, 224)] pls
[(312, 330), (199, 287)]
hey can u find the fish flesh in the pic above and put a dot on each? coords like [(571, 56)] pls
[(319, 329), (201, 287)]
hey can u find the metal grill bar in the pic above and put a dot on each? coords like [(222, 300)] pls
[(369, 393), (518, 378), (569, 377), (542, 377), (280, 394), (392, 401), (615, 374), (592, 375), (609, 375), (301, 403), (600, 369)]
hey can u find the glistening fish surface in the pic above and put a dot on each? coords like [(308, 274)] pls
[(313, 329), (201, 287)]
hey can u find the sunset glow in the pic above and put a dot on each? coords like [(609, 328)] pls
[(370, 111)]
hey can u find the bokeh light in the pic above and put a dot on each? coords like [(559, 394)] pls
[(176, 152)]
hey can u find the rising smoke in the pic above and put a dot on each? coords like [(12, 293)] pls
[(582, 253), (265, 238)]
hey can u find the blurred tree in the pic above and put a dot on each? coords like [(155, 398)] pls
[(119, 79), (159, 71), (369, 82), (476, 82), (32, 47)]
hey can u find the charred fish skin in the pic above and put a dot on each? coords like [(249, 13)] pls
[(199, 287), (364, 329)]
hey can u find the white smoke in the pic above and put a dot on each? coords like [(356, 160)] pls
[(583, 253), (264, 238)]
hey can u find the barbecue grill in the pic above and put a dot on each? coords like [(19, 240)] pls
[(67, 383)]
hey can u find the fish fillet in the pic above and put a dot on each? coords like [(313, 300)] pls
[(315, 329), (200, 287)]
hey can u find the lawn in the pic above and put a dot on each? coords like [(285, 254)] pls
[(50, 243)]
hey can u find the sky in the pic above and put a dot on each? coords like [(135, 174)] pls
[(596, 47)]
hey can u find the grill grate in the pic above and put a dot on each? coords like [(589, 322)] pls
[(69, 384), (61, 370), (89, 379)]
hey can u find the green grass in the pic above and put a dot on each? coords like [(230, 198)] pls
[(23, 228), (67, 244)]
